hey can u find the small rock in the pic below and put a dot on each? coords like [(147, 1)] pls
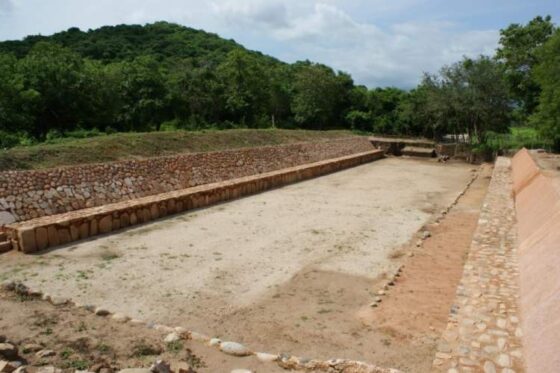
[(160, 366), (45, 353), (241, 371), (163, 328), (136, 321), (119, 317), (172, 337), (489, 367), (99, 311), (418, 243), (135, 370), (266, 358), (235, 349), (503, 360), (31, 347), (48, 370), (373, 304), (8, 351), (381, 292), (58, 301), (5, 367), (214, 342), (105, 370), (199, 337), (426, 235), (8, 285), (21, 369), (180, 330)]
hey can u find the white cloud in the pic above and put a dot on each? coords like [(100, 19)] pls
[(250, 12), (357, 36), (6, 7)]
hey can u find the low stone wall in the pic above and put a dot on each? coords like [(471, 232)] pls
[(41, 233), (537, 201), (26, 195)]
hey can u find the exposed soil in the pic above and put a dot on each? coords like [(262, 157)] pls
[(291, 270), (84, 341)]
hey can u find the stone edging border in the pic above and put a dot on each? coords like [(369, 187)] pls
[(230, 348)]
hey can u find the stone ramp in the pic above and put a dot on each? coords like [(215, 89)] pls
[(483, 333), (50, 231)]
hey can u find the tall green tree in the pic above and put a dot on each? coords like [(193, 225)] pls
[(246, 88), (547, 74), (470, 97), (318, 95), (55, 77), (519, 45)]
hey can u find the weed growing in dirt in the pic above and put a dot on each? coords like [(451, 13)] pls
[(108, 256), (142, 348), (175, 347), (82, 327), (104, 349), (193, 360)]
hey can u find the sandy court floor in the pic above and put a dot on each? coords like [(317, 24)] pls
[(231, 270)]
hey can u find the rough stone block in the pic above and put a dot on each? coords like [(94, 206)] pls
[(53, 236), (106, 224), (116, 223), (93, 228), (171, 206), (154, 211), (64, 236), (84, 231), (41, 238), (26, 238), (74, 233), (125, 220), (133, 218)]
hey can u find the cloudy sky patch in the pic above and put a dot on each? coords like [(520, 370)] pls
[(381, 43)]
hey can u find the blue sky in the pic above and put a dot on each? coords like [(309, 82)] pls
[(379, 42)]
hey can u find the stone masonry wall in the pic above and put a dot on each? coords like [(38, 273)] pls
[(26, 195)]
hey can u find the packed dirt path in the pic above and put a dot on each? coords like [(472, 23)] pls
[(416, 309), (291, 270)]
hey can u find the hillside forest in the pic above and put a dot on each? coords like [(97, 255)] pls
[(163, 76)]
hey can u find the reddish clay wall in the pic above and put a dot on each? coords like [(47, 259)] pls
[(537, 201), (26, 195)]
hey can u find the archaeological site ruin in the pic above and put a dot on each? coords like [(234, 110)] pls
[(354, 254)]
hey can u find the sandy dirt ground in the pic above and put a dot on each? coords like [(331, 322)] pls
[(83, 341), (290, 270)]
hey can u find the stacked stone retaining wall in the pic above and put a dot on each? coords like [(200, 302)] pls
[(26, 195), (537, 201), (50, 231)]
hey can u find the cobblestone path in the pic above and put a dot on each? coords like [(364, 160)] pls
[(484, 333)]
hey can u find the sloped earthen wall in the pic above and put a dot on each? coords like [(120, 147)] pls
[(537, 201)]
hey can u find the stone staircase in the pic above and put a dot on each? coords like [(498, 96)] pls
[(418, 151), (5, 244)]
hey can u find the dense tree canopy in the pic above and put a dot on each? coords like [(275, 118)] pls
[(162, 75), (519, 46), (547, 74)]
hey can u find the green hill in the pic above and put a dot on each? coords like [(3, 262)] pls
[(162, 40)]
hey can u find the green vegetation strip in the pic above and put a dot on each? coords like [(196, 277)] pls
[(122, 146)]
